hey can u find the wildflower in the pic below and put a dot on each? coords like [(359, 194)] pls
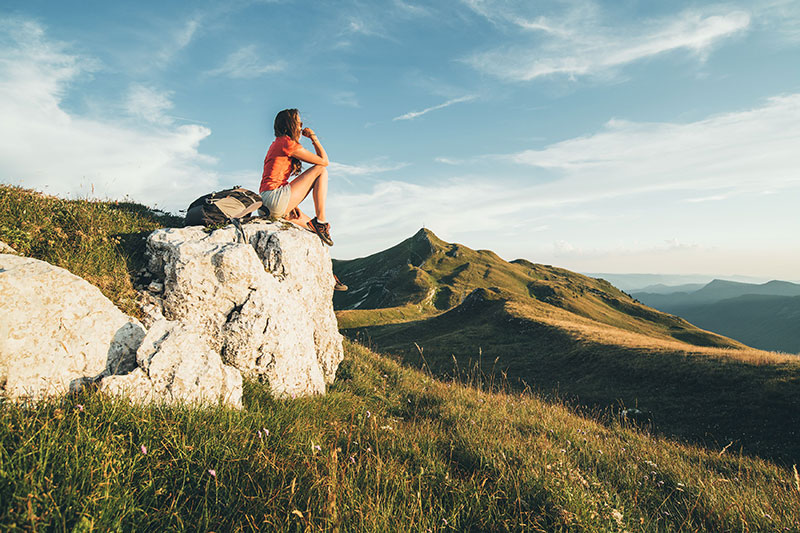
[(316, 447), (213, 473), (352, 459), (444, 521), (79, 407), (369, 414), (369, 448), (144, 449), (266, 432)]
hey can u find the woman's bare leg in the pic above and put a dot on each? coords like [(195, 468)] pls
[(316, 179), (301, 219)]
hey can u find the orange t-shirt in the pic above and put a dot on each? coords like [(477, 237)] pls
[(278, 163)]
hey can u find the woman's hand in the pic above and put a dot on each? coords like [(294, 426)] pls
[(320, 158)]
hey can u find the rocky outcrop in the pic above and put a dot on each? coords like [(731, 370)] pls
[(264, 305), (176, 364), (216, 309), (57, 331), (6, 249)]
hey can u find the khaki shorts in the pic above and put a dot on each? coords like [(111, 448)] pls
[(276, 201)]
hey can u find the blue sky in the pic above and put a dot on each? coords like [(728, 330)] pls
[(626, 136)]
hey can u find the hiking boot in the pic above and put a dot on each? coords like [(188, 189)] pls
[(338, 286), (322, 230)]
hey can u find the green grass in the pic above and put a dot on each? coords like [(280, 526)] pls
[(430, 275), (102, 242), (706, 395), (387, 449)]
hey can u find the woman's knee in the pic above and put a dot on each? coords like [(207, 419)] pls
[(321, 172)]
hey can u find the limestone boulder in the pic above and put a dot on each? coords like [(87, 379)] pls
[(57, 331), (176, 364), (6, 249), (264, 304)]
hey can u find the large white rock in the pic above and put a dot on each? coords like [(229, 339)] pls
[(57, 331), (265, 304), (6, 249), (177, 365)]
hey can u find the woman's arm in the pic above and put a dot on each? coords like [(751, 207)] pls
[(321, 158)]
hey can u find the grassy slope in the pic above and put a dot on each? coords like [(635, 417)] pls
[(768, 322), (387, 449), (424, 275), (101, 242), (582, 339)]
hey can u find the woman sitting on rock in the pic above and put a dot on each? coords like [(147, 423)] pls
[(284, 159)]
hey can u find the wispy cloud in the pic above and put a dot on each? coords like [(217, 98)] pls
[(362, 170), (410, 9), (345, 98), (44, 146), (579, 43), (245, 63), (616, 178), (179, 39), (414, 114), (149, 104), (748, 150), (781, 19)]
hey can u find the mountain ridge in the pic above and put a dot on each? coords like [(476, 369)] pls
[(423, 275), (577, 337)]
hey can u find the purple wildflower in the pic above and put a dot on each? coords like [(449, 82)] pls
[(213, 473), (144, 449)]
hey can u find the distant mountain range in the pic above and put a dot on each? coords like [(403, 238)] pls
[(652, 282), (457, 311), (765, 316)]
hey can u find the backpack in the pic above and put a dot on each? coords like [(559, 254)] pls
[(221, 207)]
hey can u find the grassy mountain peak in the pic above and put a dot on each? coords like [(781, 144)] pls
[(424, 275), (568, 334)]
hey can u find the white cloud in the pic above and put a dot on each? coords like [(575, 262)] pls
[(363, 169), (414, 114), (628, 182), (179, 39), (345, 98), (577, 43), (149, 104), (43, 146), (780, 18), (245, 63), (745, 151), (412, 10)]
